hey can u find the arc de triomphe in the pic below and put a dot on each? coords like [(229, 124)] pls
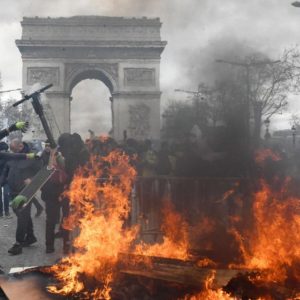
[(123, 53)]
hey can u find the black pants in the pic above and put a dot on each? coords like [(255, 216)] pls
[(37, 204), (65, 205), (52, 218), (24, 224)]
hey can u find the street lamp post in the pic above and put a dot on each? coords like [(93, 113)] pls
[(294, 135), (267, 124), (198, 97)]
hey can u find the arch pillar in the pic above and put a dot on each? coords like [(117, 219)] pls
[(136, 112), (60, 106)]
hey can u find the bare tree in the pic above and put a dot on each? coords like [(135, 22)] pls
[(270, 85), (295, 120), (259, 88)]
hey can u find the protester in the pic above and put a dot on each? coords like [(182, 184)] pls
[(51, 193), (75, 154), (19, 174), (4, 157), (149, 160), (164, 166), (23, 126)]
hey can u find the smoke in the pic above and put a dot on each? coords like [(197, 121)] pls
[(90, 108), (207, 69), (197, 32)]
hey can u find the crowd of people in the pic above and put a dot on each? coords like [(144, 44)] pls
[(18, 168), (191, 157), (19, 164)]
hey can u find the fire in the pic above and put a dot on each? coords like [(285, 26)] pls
[(208, 293), (99, 210), (175, 237), (273, 243), (263, 155)]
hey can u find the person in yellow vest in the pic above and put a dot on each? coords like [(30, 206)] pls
[(149, 160)]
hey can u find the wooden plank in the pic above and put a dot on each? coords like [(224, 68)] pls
[(188, 276)]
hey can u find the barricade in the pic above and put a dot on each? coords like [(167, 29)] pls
[(194, 198)]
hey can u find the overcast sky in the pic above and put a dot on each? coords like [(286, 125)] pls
[(197, 31)]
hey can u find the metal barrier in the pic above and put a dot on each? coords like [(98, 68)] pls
[(192, 197)]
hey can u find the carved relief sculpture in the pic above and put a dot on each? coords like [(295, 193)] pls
[(139, 77), (43, 75), (139, 121)]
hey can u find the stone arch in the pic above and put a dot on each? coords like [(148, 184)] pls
[(123, 53), (90, 72)]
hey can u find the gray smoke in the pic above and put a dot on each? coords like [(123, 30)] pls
[(90, 108), (196, 31)]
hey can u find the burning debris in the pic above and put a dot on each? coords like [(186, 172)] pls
[(100, 210), (110, 261), (175, 232)]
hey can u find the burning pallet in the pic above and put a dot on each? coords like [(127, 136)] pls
[(153, 278), (166, 279)]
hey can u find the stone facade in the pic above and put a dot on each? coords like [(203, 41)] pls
[(123, 53)]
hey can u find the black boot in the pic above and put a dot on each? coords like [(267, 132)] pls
[(15, 249), (29, 241), (50, 249)]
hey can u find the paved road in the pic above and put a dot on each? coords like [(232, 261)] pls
[(32, 256)]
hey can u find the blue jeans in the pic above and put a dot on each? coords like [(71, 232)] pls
[(4, 199)]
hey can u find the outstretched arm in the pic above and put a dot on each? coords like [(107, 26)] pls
[(23, 126), (4, 133), (17, 156)]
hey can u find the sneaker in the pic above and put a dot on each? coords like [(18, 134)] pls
[(50, 249), (15, 249), (39, 211), (29, 241)]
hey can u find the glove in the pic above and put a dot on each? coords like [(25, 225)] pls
[(33, 155), (21, 125), (18, 202)]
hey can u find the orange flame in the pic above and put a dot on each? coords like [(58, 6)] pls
[(99, 210), (263, 154), (273, 244), (209, 293), (175, 239)]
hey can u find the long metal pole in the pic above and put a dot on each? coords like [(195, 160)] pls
[(40, 112)]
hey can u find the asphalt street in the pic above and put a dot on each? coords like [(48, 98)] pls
[(32, 256)]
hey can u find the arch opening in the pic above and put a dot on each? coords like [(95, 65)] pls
[(91, 74), (91, 108)]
